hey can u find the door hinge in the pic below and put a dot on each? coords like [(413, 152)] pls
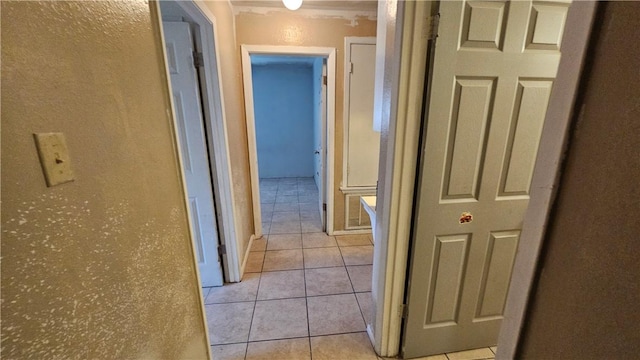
[(198, 59), (324, 207), (404, 311), (222, 250), (324, 80), (431, 27), (350, 68)]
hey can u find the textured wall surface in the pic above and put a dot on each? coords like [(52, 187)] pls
[(284, 109), (102, 267), (585, 305), (290, 28)]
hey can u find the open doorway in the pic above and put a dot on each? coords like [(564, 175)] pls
[(289, 108), (264, 62)]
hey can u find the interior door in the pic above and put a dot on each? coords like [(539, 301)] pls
[(195, 161), (363, 150), (493, 69)]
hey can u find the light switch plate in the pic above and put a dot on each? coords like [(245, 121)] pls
[(54, 158)]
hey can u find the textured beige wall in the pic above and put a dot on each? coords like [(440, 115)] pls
[(585, 305), (291, 28), (100, 268), (231, 76)]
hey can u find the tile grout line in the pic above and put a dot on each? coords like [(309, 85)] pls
[(255, 303), (306, 297)]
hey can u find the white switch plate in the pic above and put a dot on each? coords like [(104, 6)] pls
[(54, 158)]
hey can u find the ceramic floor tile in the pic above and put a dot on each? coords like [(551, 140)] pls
[(310, 226), (309, 207), (334, 314), (304, 190), (286, 198), (282, 260), (281, 285), (482, 353), (360, 276), (357, 255), (346, 346), (229, 323), (279, 349), (304, 199), (322, 257), (266, 182), (327, 281), (266, 215), (284, 242), (434, 357), (246, 290), (287, 181), (259, 244), (310, 215), (308, 186), (279, 207), (283, 216), (254, 262), (205, 292), (229, 352), (267, 206), (268, 198), (268, 186), (288, 191), (353, 240), (316, 240), (285, 227), (279, 319), (494, 349), (266, 226), (366, 306)]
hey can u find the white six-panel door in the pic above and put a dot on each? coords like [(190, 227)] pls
[(195, 161), (494, 66)]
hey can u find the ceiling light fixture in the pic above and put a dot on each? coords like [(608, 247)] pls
[(292, 4)]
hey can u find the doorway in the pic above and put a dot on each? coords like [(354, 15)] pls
[(203, 151), (323, 154)]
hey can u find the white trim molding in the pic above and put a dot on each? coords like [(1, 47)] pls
[(330, 55), (405, 52)]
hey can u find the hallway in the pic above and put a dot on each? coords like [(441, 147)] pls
[(303, 294)]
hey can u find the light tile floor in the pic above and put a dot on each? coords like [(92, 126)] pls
[(304, 295)]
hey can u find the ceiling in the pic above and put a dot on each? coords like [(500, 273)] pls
[(342, 5)]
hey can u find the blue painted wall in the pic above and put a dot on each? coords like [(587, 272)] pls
[(284, 115)]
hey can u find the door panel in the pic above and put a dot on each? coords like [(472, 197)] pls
[(193, 147), (494, 65), (472, 105), (363, 142)]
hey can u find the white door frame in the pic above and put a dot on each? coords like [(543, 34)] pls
[(330, 54), (404, 76), (216, 130)]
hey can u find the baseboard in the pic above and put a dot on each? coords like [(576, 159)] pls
[(352, 232), (246, 255), (370, 333)]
